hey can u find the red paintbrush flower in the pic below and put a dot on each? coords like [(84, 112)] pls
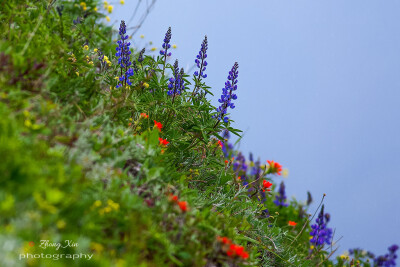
[(274, 167), (163, 142), (220, 143), (158, 125), (267, 185), (173, 198), (183, 205)]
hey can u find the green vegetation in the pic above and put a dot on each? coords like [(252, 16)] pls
[(132, 174)]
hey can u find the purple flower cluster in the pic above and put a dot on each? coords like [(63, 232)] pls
[(359, 253), (201, 59), (256, 169), (228, 95), (101, 58), (389, 259), (320, 233), (176, 83), (281, 197), (140, 57), (226, 146), (240, 163), (123, 53), (166, 44)]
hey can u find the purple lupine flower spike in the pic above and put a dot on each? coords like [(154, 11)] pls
[(123, 54), (280, 199), (228, 94), (200, 60), (320, 233), (140, 58), (166, 45), (388, 260), (176, 83)]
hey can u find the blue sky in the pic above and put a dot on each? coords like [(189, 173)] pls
[(318, 91)]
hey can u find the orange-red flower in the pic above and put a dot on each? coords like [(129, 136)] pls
[(183, 205), (173, 198), (163, 142), (224, 240), (236, 250), (230, 253), (232, 250), (292, 223), (145, 116), (158, 125), (245, 255), (274, 167), (220, 143), (267, 185)]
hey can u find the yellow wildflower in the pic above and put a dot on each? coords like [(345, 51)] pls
[(72, 58), (285, 173), (122, 2), (95, 9), (174, 46), (26, 113), (110, 9), (142, 36), (77, 73), (97, 203), (61, 224), (153, 49), (86, 47), (113, 205), (95, 50), (108, 18), (146, 85), (36, 126), (3, 95), (97, 247), (105, 59)]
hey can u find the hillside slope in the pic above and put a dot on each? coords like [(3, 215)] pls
[(123, 155)]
